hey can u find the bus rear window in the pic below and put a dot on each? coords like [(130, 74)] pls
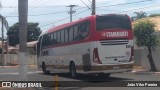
[(113, 22)]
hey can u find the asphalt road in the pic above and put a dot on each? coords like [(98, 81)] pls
[(11, 74)]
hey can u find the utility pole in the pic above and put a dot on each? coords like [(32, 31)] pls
[(2, 56), (4, 24), (71, 11), (23, 16), (93, 7)]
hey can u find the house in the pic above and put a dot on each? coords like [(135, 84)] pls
[(15, 49)]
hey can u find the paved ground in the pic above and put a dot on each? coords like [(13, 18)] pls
[(8, 73)]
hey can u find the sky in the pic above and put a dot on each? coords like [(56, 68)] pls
[(50, 13)]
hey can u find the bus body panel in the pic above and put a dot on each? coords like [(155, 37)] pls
[(114, 54), (60, 57), (113, 46)]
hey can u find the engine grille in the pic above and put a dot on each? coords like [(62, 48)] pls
[(114, 42)]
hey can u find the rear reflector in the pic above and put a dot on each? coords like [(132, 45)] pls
[(96, 56), (132, 54)]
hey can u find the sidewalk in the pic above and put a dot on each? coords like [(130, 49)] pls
[(140, 70), (136, 69), (17, 66)]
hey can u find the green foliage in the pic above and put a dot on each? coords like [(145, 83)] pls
[(145, 34), (33, 31), (154, 15), (139, 15)]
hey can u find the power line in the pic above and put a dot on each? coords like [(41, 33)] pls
[(47, 13), (33, 2), (124, 3), (140, 8), (81, 12), (85, 4), (38, 6), (33, 6), (41, 14), (63, 18), (42, 7), (89, 1), (107, 9), (118, 12), (44, 2)]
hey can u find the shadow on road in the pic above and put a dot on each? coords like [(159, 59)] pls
[(91, 78), (87, 80)]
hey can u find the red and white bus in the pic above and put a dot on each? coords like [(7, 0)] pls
[(95, 44)]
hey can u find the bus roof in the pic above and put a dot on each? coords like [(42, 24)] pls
[(74, 22), (68, 24)]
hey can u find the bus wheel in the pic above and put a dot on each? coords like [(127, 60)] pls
[(72, 70), (44, 69)]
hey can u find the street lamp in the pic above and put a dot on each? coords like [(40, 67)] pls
[(5, 23)]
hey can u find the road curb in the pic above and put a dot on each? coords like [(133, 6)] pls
[(16, 66), (145, 72)]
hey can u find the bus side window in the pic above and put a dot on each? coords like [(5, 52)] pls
[(62, 36), (76, 33), (55, 41), (71, 34), (47, 39), (66, 35), (59, 37), (52, 38), (43, 40), (83, 30)]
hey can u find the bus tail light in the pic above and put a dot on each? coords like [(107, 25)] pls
[(132, 54), (96, 56)]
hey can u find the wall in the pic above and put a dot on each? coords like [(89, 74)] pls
[(141, 59), (12, 59)]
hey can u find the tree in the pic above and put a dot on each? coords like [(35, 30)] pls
[(154, 15), (140, 15), (144, 31), (33, 31)]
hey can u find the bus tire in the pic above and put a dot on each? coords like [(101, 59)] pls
[(45, 71), (72, 70)]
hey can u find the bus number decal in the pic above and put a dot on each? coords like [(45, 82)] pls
[(115, 34)]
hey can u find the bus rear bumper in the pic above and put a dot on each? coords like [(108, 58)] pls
[(108, 71), (110, 68)]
